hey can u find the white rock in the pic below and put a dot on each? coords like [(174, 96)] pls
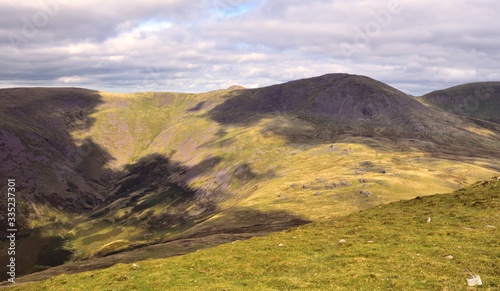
[(428, 219), (475, 280), (342, 241), (281, 245), (449, 257)]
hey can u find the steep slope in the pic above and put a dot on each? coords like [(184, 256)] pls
[(392, 246), (478, 100), (131, 170), (38, 150)]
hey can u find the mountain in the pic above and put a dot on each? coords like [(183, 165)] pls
[(351, 104), (478, 100), (426, 243), (105, 175)]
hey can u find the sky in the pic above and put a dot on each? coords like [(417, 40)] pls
[(204, 45)]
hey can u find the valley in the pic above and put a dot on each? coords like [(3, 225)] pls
[(116, 178)]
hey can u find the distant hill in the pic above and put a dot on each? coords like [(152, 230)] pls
[(478, 100)]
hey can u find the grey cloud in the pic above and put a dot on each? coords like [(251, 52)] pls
[(203, 45)]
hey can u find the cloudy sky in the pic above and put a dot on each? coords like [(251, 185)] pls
[(202, 45)]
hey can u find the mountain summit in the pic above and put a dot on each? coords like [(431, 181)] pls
[(340, 96)]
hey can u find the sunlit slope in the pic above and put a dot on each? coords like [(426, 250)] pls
[(422, 244)]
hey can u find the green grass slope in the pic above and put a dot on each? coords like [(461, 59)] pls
[(388, 247)]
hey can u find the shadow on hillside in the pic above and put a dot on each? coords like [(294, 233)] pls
[(39, 150), (245, 224), (164, 182), (246, 220), (52, 168), (197, 107)]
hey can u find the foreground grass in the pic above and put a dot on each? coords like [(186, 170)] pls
[(386, 247)]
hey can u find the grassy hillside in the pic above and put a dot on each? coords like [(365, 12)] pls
[(385, 247), (131, 170), (253, 165)]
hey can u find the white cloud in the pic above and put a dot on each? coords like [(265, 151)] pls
[(71, 80)]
